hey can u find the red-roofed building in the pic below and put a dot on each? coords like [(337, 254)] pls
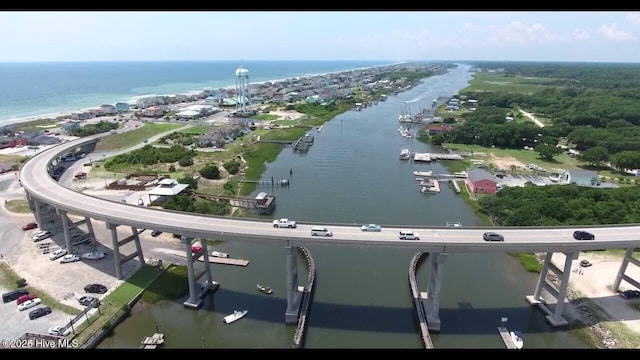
[(437, 129)]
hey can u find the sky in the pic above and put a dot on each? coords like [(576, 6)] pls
[(591, 36)]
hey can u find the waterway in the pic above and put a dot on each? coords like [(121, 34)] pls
[(352, 174)]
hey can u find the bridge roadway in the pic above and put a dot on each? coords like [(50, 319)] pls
[(38, 183)]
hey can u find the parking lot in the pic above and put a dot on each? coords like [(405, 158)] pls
[(520, 180), (16, 323)]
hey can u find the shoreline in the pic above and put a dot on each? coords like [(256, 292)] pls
[(133, 99)]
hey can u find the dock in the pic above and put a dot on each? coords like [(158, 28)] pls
[(153, 342), (506, 337), (226, 261), (456, 187)]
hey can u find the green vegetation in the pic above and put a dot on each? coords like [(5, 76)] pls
[(265, 117), (562, 205), (36, 125), (232, 166), (148, 155), (12, 158), (91, 129), (171, 285), (484, 81), (130, 138), (210, 171), (185, 202), (9, 279), (18, 206), (529, 262)]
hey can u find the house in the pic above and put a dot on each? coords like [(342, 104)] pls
[(108, 109), (437, 129), (122, 107), (581, 177), (479, 181)]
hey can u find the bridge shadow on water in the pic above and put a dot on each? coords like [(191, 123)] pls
[(461, 320)]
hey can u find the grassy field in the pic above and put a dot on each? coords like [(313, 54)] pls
[(171, 285), (133, 137), (11, 158), (198, 129), (265, 117), (18, 206), (495, 82)]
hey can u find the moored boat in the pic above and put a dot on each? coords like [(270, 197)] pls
[(516, 336), (405, 154), (422, 173), (264, 289), (236, 315), (219, 254)]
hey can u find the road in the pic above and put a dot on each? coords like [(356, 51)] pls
[(37, 182), (530, 116)]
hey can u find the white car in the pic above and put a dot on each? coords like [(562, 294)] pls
[(40, 235), (94, 255), (69, 258), (29, 304), (57, 331), (58, 254)]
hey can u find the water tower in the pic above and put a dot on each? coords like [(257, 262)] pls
[(242, 90)]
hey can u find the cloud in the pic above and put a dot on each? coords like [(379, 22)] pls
[(580, 34), (611, 32), (634, 17), (518, 33)]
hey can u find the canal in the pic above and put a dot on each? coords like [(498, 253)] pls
[(352, 174)]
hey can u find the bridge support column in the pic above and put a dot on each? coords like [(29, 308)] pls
[(628, 258), (136, 241), (196, 292), (65, 228), (34, 204), (116, 249), (555, 317), (294, 295), (432, 303), (92, 234)]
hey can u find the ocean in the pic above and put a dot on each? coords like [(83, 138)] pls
[(29, 90)]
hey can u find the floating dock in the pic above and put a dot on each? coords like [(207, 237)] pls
[(152, 342), (506, 337), (226, 261)]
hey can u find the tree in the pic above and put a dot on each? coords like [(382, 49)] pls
[(232, 167), (547, 152), (188, 179), (210, 171), (595, 155)]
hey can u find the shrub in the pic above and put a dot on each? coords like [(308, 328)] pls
[(21, 282)]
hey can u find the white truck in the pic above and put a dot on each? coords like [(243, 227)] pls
[(284, 223)]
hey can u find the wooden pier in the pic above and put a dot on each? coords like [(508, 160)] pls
[(456, 187), (506, 338), (226, 261), (153, 342)]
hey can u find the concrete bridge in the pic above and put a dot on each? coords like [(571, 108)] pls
[(49, 200)]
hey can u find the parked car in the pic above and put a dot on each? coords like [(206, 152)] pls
[(371, 227), (630, 294), (583, 235), (57, 331), (140, 230), (69, 258), (95, 289), (58, 254), (29, 304), (585, 263), (492, 236), (41, 235), (29, 226), (155, 233), (24, 298), (39, 312), (196, 248), (94, 255), (88, 300), (13, 295)]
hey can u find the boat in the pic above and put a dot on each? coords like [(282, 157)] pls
[(264, 289), (516, 336), (422, 173), (219, 254), (428, 190), (405, 154), (236, 315)]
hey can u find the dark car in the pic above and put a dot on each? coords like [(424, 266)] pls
[(95, 289), (13, 295), (491, 236), (630, 294), (155, 233), (583, 235), (39, 312), (88, 300)]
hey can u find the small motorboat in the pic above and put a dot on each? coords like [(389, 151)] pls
[(219, 254), (264, 289), (236, 315), (516, 336)]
